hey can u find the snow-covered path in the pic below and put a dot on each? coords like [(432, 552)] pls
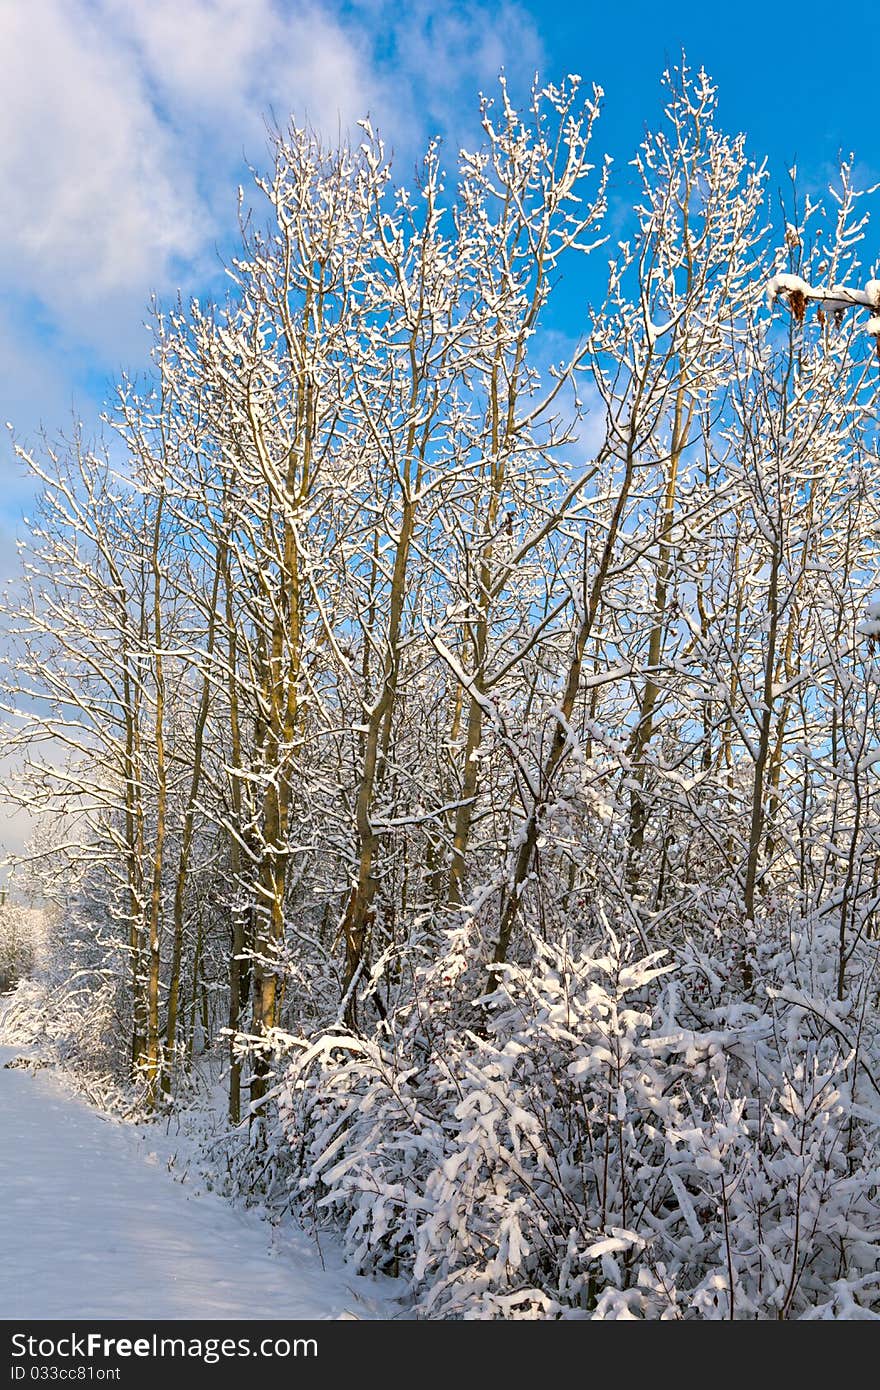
[(90, 1227)]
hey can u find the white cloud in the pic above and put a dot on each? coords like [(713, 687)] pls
[(122, 130), (96, 195), (34, 388), (218, 64), (123, 126), (448, 53)]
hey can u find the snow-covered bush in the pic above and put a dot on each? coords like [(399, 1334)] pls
[(21, 937), (72, 1008), (589, 1152)]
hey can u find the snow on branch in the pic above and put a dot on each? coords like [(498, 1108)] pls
[(836, 299)]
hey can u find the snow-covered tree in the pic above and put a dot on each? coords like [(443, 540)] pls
[(473, 739)]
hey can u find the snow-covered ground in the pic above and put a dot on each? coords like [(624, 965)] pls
[(93, 1225)]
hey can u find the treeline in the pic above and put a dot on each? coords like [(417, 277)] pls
[(385, 610)]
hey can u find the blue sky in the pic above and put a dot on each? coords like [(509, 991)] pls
[(123, 128)]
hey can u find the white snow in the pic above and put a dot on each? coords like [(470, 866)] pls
[(834, 298), (93, 1225), (787, 284)]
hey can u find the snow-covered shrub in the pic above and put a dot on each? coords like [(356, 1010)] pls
[(21, 937), (72, 1010), (74, 1023), (588, 1152)]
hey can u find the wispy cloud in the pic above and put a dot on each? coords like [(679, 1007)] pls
[(96, 193), (124, 129), (122, 126)]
